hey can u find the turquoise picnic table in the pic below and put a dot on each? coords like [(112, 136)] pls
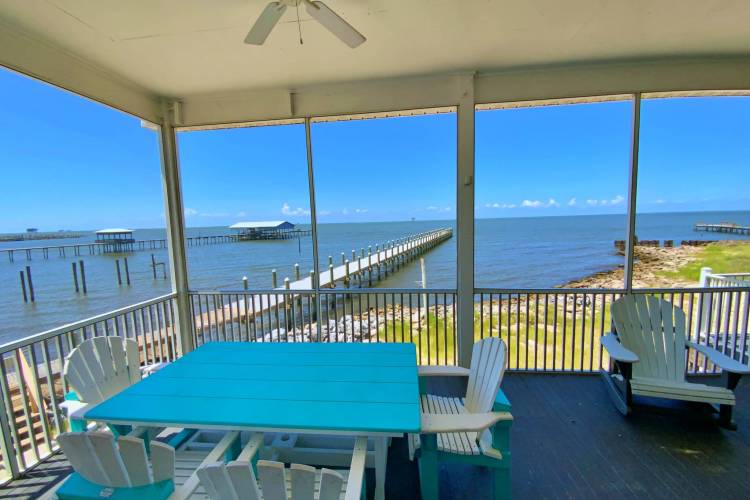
[(317, 388)]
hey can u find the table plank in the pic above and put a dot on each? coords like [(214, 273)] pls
[(279, 389), (232, 373), (270, 357), (237, 413)]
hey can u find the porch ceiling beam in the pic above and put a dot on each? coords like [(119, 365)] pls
[(491, 87), (49, 63)]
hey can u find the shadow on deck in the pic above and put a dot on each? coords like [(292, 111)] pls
[(568, 441)]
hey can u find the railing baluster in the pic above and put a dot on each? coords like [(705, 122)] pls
[(16, 366), (15, 445)]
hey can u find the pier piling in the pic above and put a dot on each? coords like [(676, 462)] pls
[(83, 276), (75, 276), (127, 272), (23, 286), (31, 283), (119, 275)]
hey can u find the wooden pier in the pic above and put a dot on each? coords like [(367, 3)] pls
[(723, 227), (99, 248), (362, 268)]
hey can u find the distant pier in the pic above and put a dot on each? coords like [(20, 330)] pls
[(98, 248), (723, 227)]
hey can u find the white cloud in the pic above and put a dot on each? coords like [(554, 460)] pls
[(241, 214), (540, 204), (433, 208), (190, 212), (660, 201), (287, 210), (572, 202), (345, 211), (361, 210), (617, 200), (323, 213)]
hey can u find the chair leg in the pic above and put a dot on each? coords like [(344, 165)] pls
[(725, 417), (501, 483), (725, 411), (428, 467)]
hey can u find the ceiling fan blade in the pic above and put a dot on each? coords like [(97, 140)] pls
[(334, 23), (265, 23)]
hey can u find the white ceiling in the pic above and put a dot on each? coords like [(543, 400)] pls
[(186, 47)]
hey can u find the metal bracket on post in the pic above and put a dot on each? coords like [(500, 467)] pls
[(632, 191), (465, 220), (175, 218)]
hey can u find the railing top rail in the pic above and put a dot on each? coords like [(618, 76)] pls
[(477, 291), (38, 337), (570, 291), (327, 291)]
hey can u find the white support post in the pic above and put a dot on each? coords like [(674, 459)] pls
[(313, 226), (632, 192), (175, 219), (465, 220)]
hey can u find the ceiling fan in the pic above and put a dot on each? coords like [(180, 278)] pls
[(317, 10)]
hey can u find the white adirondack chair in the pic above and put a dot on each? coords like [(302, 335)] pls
[(473, 429), (99, 368), (104, 468), (237, 480), (649, 354)]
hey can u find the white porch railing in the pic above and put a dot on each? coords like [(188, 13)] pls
[(546, 330), (32, 384), (719, 321)]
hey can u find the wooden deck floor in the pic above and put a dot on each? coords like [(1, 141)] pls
[(568, 441)]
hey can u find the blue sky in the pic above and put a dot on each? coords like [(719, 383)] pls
[(70, 163)]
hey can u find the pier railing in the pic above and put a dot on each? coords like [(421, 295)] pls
[(32, 382)]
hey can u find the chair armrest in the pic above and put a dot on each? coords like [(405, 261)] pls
[(71, 407), (442, 371), (616, 350), (721, 360), (150, 369), (463, 422)]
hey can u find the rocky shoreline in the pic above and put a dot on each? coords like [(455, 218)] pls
[(650, 264)]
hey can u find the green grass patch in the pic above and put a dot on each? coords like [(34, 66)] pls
[(725, 257), (433, 337)]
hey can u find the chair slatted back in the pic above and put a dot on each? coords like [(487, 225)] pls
[(95, 456), (655, 331), (101, 367), (237, 481), (486, 374)]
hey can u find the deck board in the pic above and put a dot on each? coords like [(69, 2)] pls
[(568, 441)]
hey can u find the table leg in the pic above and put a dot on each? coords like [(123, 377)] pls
[(381, 462)]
